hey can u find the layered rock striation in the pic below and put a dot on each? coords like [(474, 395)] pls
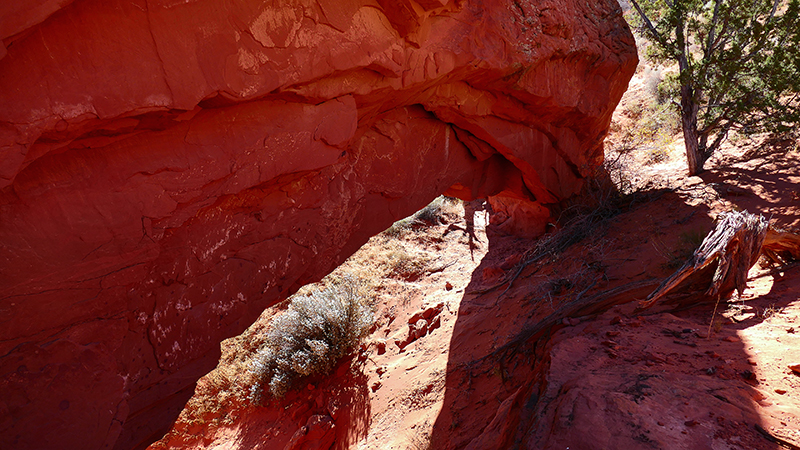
[(169, 168)]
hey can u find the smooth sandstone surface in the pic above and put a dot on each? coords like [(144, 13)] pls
[(169, 168)]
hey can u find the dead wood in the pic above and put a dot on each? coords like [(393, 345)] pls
[(781, 246), (720, 265), (579, 307)]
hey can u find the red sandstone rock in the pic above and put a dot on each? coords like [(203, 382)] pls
[(168, 169), (317, 434), (16, 17)]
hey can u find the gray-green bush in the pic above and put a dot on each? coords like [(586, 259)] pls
[(310, 337), (432, 214)]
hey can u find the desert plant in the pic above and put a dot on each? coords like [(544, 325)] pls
[(432, 214), (689, 241), (402, 264), (738, 66), (310, 337), (418, 440), (653, 125)]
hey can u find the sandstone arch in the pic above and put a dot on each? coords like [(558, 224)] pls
[(169, 168)]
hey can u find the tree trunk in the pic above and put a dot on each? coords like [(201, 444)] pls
[(695, 155), (721, 263)]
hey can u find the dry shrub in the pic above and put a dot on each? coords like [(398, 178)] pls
[(400, 264), (435, 213), (310, 337)]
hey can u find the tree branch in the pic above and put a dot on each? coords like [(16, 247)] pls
[(722, 135), (772, 13), (712, 28), (650, 27), (760, 44)]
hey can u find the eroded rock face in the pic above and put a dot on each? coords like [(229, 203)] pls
[(170, 168)]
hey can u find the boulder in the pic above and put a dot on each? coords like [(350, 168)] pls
[(170, 168)]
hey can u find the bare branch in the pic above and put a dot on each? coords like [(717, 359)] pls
[(650, 27), (722, 36), (772, 13), (712, 29), (721, 136)]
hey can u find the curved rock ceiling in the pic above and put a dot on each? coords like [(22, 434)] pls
[(168, 168)]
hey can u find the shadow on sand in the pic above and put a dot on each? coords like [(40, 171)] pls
[(553, 363)]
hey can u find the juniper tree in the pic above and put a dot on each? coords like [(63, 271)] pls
[(738, 61)]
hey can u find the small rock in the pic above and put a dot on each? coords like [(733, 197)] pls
[(711, 371), (795, 368), (448, 286), (381, 346), (418, 329), (380, 370), (790, 330), (333, 408), (612, 333), (319, 400), (376, 385), (427, 313), (780, 391), (752, 362), (730, 339), (749, 377), (690, 423), (615, 320), (573, 321), (318, 432), (636, 322), (435, 323), (765, 403)]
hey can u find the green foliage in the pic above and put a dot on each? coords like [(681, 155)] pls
[(310, 337), (739, 66)]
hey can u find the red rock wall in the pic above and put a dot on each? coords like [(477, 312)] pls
[(169, 168)]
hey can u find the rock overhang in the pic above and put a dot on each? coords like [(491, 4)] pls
[(171, 168)]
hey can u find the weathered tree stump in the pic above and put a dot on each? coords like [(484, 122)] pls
[(722, 261), (781, 246)]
